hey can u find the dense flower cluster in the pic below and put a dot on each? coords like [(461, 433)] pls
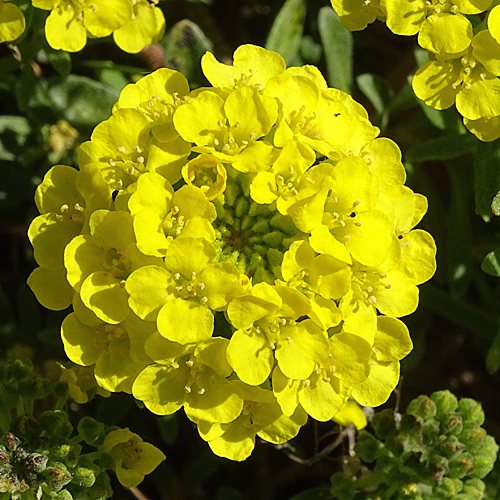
[(464, 60), (42, 455), (242, 251), (133, 23), (434, 451)]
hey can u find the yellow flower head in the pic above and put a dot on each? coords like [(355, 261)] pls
[(240, 251), (134, 24)]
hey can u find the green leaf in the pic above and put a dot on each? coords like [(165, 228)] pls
[(337, 43), (379, 93), (114, 78), (493, 356), (376, 89), (82, 102), (459, 232), (446, 147), (14, 131), (286, 31), (60, 60), (486, 176), (309, 50), (184, 47), (491, 263)]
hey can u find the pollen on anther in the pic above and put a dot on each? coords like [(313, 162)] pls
[(201, 391), (307, 382), (121, 149), (204, 300), (289, 340), (64, 208), (187, 388)]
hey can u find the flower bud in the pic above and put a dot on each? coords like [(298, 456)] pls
[(57, 476), (384, 424), (461, 466), (471, 411), (422, 407), (91, 431), (367, 446), (451, 424), (449, 488), (445, 402), (83, 477)]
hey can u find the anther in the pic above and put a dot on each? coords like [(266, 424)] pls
[(64, 208), (201, 286), (252, 136), (175, 209), (178, 288), (187, 388), (283, 321), (193, 275), (388, 286), (201, 391), (174, 365), (372, 300), (121, 149), (111, 162), (289, 340), (342, 223), (347, 237), (356, 203), (482, 76), (307, 383), (177, 276), (357, 223), (220, 123), (204, 300), (190, 363), (216, 142), (272, 345), (326, 379), (137, 149)]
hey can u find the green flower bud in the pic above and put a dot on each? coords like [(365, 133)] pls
[(19, 369), (449, 488), (61, 389), (368, 447), (56, 423), (451, 424), (474, 487), (57, 476), (342, 487), (34, 388), (438, 467), (36, 462), (451, 447), (384, 424), (63, 495), (471, 411), (422, 407), (91, 431), (431, 431), (83, 477), (472, 436), (445, 402), (461, 466)]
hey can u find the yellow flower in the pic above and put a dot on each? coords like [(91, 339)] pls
[(132, 457), (12, 22)]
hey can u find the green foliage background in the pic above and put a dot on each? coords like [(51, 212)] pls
[(456, 328)]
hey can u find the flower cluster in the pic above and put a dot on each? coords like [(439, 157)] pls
[(41, 454), (133, 23), (464, 60), (436, 450), (242, 251)]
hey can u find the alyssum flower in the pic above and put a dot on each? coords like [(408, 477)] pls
[(243, 251)]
